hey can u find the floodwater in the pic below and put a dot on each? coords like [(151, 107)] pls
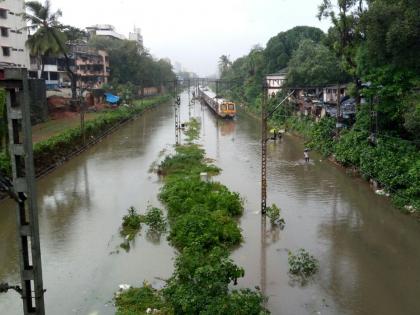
[(368, 252)]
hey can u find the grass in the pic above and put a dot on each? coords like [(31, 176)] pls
[(43, 131)]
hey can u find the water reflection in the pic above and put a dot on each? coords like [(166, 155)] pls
[(368, 251)]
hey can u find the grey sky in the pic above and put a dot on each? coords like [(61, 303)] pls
[(194, 32)]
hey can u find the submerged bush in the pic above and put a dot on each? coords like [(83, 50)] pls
[(193, 130), (155, 219), (302, 263), (131, 224), (273, 213), (139, 300)]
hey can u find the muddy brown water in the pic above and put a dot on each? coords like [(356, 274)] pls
[(369, 253)]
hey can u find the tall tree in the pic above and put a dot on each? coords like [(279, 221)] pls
[(41, 45), (224, 64), (314, 64), (48, 29), (345, 36), (280, 48)]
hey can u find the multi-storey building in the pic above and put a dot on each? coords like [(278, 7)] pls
[(92, 66), (106, 30), (13, 34), (136, 37)]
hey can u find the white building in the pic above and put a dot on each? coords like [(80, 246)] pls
[(13, 34), (275, 81), (136, 36), (104, 30)]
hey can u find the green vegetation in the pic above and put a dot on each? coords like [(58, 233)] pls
[(393, 162), (49, 37), (136, 301), (374, 42), (273, 213), (155, 219), (131, 224), (193, 130), (302, 263), (203, 228), (133, 66)]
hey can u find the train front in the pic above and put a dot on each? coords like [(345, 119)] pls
[(227, 109)]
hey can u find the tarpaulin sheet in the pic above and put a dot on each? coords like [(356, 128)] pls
[(110, 98)]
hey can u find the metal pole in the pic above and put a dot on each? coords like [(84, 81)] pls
[(21, 155), (264, 151)]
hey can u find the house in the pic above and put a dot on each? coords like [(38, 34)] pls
[(275, 81), (105, 30), (333, 93), (13, 35), (54, 74)]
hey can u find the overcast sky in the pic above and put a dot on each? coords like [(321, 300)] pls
[(194, 32)]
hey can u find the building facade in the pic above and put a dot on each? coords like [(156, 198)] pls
[(105, 30), (13, 35), (275, 81), (91, 67), (136, 37)]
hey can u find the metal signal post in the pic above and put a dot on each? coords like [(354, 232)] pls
[(22, 190)]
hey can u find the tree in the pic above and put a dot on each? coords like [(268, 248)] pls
[(345, 36), (314, 64), (129, 64), (48, 30), (388, 58), (42, 44), (280, 48), (224, 64)]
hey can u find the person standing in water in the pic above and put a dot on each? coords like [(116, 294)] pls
[(306, 155)]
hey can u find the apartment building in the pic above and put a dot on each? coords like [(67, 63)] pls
[(105, 30), (136, 37), (13, 35), (92, 66)]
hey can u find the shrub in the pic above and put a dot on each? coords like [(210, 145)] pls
[(302, 263), (155, 219), (131, 224), (273, 213)]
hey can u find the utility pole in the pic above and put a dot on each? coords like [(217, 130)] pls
[(22, 190), (177, 114), (264, 121), (264, 151)]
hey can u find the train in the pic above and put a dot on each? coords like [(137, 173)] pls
[(220, 106)]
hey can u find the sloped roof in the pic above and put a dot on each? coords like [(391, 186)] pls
[(280, 72)]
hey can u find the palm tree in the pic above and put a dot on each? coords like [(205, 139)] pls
[(224, 64), (42, 45), (48, 36)]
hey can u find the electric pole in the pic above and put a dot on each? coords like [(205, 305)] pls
[(22, 190)]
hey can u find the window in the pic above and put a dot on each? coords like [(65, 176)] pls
[(33, 74), (54, 76), (4, 31), (3, 14), (6, 51)]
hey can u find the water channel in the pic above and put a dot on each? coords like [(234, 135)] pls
[(369, 253)]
